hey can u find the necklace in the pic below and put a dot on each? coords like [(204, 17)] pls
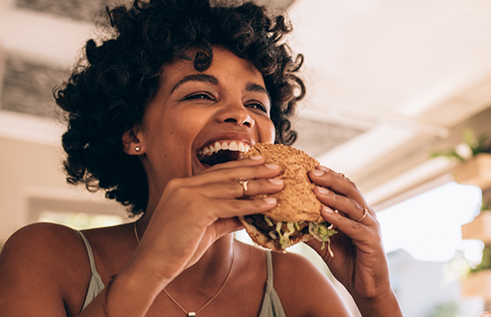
[(212, 298)]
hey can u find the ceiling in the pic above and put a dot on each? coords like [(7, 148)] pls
[(388, 81), (411, 73)]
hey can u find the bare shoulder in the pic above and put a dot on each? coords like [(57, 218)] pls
[(39, 266), (40, 242), (303, 289)]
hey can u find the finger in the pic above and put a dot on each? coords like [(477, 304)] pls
[(337, 182), (226, 226), (236, 189), (228, 174), (357, 231), (219, 229), (351, 208), (228, 208), (250, 161), (340, 184)]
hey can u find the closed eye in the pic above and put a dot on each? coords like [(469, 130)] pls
[(199, 96)]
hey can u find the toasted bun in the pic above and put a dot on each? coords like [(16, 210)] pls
[(296, 202)]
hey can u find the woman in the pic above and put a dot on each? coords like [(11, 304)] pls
[(176, 77)]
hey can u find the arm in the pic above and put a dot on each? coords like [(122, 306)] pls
[(36, 272), (359, 261), (44, 271), (192, 214)]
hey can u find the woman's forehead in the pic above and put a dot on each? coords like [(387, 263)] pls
[(224, 62)]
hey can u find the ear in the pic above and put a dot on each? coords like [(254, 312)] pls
[(131, 142)]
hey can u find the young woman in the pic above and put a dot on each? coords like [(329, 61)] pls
[(174, 78)]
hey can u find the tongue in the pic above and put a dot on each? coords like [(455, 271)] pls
[(220, 157)]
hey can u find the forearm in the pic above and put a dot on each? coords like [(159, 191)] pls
[(384, 306)]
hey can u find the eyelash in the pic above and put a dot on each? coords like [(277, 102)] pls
[(256, 105), (198, 96), (259, 106)]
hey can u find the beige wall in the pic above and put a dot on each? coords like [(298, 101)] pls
[(30, 174)]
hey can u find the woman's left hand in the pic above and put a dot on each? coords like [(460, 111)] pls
[(359, 260)]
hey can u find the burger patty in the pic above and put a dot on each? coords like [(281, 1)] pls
[(260, 223)]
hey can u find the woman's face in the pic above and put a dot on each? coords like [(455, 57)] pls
[(193, 111)]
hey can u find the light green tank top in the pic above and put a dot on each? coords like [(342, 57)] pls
[(271, 306)]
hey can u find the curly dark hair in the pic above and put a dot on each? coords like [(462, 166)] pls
[(107, 93)]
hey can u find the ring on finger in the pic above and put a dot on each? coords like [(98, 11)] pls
[(365, 211), (243, 181)]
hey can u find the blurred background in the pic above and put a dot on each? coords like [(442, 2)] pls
[(399, 100)]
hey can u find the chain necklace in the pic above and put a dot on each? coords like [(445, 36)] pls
[(214, 296)]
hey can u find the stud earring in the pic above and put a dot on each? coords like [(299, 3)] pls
[(137, 149)]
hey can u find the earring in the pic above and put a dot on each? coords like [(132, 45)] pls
[(137, 149)]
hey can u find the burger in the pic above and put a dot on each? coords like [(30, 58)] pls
[(296, 216)]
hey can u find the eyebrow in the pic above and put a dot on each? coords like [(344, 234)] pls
[(257, 88), (197, 77), (214, 81)]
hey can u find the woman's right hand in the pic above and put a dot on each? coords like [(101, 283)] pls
[(194, 212)]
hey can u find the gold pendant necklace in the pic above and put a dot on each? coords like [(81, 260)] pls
[(214, 296)]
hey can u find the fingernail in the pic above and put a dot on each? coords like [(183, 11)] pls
[(272, 166), (323, 168), (317, 172), (276, 181), (256, 157), (327, 209), (322, 190), (270, 200)]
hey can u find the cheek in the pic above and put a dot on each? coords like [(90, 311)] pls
[(266, 131)]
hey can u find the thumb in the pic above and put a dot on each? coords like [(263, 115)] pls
[(227, 225)]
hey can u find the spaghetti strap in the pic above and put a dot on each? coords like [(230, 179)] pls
[(269, 265), (95, 283), (271, 302), (93, 269)]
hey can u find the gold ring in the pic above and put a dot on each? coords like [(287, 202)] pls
[(243, 182), (365, 211)]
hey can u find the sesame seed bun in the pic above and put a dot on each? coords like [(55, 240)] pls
[(296, 203)]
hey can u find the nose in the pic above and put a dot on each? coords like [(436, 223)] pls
[(236, 114)]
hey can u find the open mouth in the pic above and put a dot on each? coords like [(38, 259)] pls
[(221, 152)]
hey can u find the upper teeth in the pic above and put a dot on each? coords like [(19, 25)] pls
[(224, 145)]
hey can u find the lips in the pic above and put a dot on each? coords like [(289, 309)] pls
[(222, 151)]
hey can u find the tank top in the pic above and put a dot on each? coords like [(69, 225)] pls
[(271, 306)]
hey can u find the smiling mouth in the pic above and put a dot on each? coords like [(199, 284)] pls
[(221, 152)]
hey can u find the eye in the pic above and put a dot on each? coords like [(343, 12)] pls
[(259, 106), (201, 95)]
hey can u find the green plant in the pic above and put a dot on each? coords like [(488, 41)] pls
[(484, 206), (471, 146), (449, 309), (485, 262)]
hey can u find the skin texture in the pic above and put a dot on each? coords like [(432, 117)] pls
[(185, 234)]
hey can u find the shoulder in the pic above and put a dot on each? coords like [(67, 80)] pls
[(42, 241), (292, 270), (304, 289), (40, 263)]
